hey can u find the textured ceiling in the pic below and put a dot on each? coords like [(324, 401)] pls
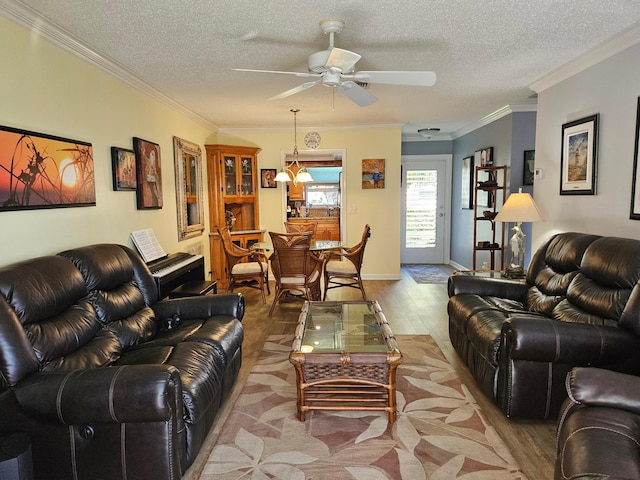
[(486, 53)]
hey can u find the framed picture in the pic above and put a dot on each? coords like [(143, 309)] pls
[(484, 157), (578, 159), (466, 188), (124, 169), (268, 178), (149, 173), (635, 185), (189, 188), (373, 173), (529, 169), (43, 171)]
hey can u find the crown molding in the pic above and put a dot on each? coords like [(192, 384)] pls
[(325, 128), (492, 117), (617, 44), (28, 18), (416, 137)]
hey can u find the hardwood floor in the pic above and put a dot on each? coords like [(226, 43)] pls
[(410, 308)]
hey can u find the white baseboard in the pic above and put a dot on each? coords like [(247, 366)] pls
[(457, 266), (382, 276)]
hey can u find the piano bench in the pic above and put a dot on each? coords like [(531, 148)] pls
[(194, 288)]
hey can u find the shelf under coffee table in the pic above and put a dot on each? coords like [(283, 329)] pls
[(345, 357)]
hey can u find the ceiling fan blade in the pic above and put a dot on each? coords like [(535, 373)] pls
[(295, 90), (297, 74), (356, 93), (343, 59), (419, 79)]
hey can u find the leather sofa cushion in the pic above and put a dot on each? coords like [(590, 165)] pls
[(108, 271), (222, 332), (599, 426), (462, 307), (103, 266), (554, 265), (613, 261), (200, 367), (41, 288), (49, 323), (603, 443), (600, 293)]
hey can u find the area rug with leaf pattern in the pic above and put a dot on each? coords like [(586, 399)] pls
[(440, 433), (428, 273)]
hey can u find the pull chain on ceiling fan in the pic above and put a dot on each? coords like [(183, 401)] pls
[(335, 67)]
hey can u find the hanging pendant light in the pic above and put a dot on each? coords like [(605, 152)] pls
[(286, 174)]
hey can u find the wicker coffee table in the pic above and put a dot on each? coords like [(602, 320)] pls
[(345, 357)]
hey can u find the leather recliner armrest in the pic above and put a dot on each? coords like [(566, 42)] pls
[(604, 388), (547, 340), (484, 286), (129, 393), (201, 307)]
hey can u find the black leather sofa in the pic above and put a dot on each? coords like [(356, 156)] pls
[(579, 306), (599, 426), (107, 382)]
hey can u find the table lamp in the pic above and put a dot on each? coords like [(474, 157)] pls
[(518, 208)]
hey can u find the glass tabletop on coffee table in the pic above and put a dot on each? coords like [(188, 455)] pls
[(345, 356)]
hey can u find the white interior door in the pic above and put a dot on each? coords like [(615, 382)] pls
[(425, 207)]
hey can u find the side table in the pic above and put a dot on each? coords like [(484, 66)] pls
[(489, 274)]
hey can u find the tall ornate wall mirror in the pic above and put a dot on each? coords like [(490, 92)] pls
[(189, 188)]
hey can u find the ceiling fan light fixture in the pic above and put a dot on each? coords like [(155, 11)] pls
[(331, 79), (336, 67), (286, 174), (428, 132)]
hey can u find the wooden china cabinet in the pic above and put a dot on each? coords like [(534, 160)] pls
[(232, 187)]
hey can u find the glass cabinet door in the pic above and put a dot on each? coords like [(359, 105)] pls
[(247, 176), (230, 175)]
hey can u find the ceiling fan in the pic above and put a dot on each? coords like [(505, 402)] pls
[(335, 67)]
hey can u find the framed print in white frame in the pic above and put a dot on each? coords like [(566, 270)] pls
[(579, 157)]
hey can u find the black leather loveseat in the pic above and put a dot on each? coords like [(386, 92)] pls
[(579, 306), (599, 426), (107, 382)]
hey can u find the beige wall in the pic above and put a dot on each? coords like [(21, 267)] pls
[(378, 208), (48, 90), (610, 89)]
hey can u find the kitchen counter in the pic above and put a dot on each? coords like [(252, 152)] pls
[(327, 228)]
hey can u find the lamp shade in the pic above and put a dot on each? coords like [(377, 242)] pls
[(519, 207), (283, 176), (303, 176)]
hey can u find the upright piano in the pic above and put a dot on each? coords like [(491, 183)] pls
[(176, 269)]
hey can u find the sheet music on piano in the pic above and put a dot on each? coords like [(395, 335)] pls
[(148, 245)]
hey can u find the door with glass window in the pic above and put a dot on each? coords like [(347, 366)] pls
[(424, 210)]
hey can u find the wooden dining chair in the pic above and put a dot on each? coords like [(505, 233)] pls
[(297, 270), (342, 268), (296, 227), (245, 266)]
